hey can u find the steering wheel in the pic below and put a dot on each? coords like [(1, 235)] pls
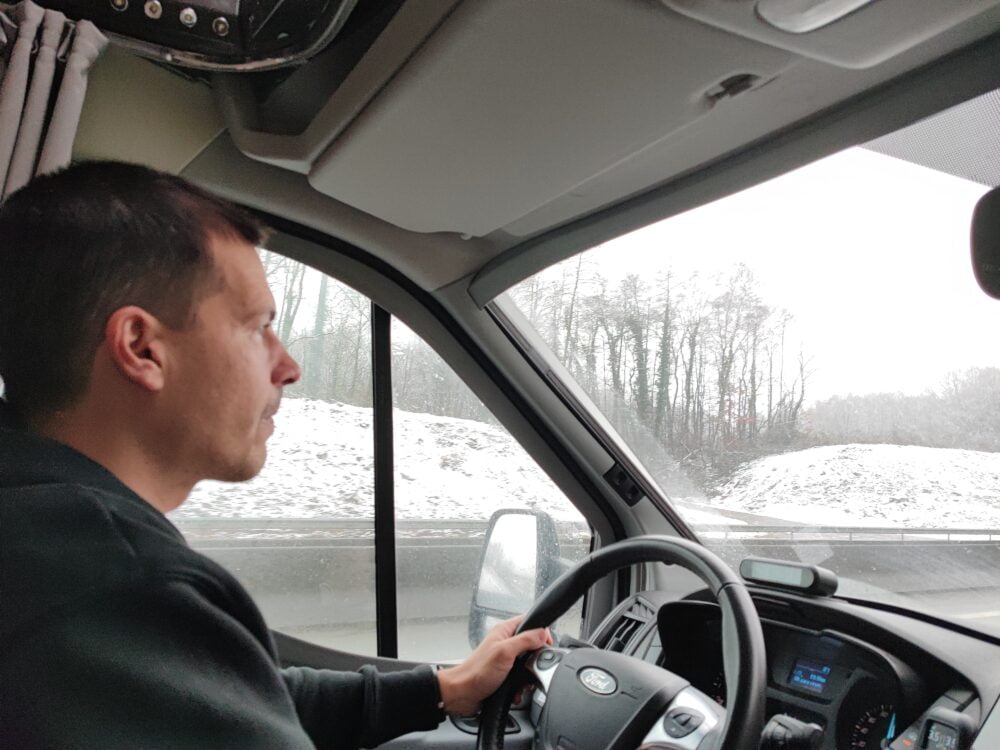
[(601, 700)]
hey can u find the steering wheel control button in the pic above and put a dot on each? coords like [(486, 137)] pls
[(680, 722), (598, 681), (547, 658)]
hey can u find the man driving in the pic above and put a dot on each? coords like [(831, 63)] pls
[(138, 359)]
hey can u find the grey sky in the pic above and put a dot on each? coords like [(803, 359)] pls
[(869, 253)]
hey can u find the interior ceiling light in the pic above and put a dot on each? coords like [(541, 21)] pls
[(802, 16)]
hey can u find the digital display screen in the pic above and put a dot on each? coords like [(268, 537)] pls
[(810, 675), (941, 737), (786, 575)]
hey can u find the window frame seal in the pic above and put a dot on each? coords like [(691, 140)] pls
[(386, 612)]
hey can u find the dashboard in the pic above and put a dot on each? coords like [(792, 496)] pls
[(866, 687), (862, 673)]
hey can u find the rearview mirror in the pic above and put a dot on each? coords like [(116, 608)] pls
[(520, 559), (986, 242)]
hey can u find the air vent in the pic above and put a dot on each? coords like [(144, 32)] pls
[(632, 620)]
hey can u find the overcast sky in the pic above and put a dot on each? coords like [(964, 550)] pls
[(869, 253)]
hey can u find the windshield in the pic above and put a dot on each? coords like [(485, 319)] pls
[(808, 369)]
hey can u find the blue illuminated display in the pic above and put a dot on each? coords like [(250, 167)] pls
[(810, 675)]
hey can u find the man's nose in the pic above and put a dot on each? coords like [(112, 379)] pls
[(287, 370)]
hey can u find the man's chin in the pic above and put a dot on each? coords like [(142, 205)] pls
[(243, 471)]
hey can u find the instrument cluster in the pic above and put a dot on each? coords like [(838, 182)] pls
[(861, 696)]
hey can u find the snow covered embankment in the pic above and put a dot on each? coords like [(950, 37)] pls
[(319, 465), (898, 486)]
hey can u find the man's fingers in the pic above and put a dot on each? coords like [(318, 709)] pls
[(529, 640), (506, 628)]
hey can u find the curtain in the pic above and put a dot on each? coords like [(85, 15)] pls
[(41, 52)]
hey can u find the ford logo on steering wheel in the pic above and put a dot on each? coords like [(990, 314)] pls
[(598, 681)]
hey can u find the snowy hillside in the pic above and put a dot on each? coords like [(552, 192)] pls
[(320, 466), (871, 485)]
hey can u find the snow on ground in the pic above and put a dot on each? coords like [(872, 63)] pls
[(900, 486), (319, 465)]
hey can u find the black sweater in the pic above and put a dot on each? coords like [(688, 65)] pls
[(115, 634)]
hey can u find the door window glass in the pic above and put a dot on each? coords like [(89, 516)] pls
[(455, 466)]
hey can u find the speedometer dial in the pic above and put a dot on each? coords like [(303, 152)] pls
[(871, 727)]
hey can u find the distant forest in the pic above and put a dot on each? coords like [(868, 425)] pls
[(694, 372), (327, 327), (964, 412)]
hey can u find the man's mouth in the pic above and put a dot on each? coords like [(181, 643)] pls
[(271, 411)]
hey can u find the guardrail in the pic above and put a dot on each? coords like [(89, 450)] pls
[(328, 523), (332, 531), (847, 533), (361, 529)]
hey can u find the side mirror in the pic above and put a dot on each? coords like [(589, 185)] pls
[(520, 559)]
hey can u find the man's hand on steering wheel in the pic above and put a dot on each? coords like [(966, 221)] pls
[(464, 687)]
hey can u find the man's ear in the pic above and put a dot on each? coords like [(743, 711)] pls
[(135, 344)]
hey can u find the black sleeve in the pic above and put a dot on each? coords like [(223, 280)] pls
[(154, 666), (346, 710)]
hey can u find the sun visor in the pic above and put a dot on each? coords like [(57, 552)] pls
[(846, 33), (986, 242), (470, 136)]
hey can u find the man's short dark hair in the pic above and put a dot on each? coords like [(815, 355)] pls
[(81, 243)]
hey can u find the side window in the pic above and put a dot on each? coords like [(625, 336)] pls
[(301, 535), (455, 465)]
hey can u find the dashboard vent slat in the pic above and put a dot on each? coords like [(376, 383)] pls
[(631, 622)]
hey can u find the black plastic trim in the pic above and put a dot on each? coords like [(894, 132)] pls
[(385, 490)]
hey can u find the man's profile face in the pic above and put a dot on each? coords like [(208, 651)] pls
[(227, 370)]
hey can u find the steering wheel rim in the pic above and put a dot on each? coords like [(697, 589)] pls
[(743, 638)]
